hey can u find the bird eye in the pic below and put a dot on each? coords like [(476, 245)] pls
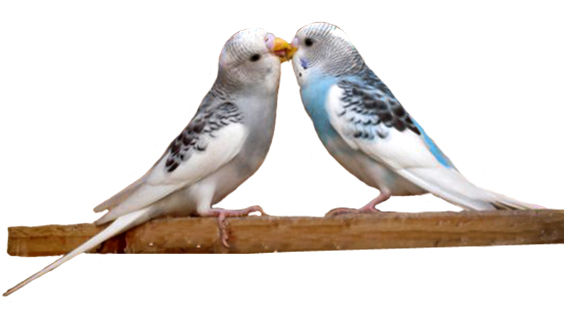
[(308, 42), (255, 57)]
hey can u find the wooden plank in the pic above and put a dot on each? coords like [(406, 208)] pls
[(283, 234)]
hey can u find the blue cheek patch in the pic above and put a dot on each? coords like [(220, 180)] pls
[(303, 63)]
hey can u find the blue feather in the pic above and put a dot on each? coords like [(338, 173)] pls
[(437, 153), (314, 97)]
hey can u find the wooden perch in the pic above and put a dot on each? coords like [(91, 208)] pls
[(283, 234)]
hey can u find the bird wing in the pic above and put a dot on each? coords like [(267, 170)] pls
[(214, 136), (370, 119)]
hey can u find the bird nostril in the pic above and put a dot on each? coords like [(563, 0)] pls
[(295, 42), (269, 41)]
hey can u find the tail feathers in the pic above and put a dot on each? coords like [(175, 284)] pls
[(118, 226), (504, 203), (108, 217), (453, 187), (121, 196)]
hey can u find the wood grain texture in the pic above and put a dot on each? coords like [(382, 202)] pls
[(283, 234)]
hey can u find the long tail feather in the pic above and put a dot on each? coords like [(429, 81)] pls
[(504, 202), (118, 226), (453, 187)]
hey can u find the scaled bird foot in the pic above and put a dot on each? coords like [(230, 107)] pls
[(222, 214), (369, 208), (348, 211)]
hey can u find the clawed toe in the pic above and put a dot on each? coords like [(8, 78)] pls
[(341, 211), (350, 211), (257, 209), (222, 215)]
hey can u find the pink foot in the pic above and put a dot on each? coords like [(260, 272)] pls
[(348, 211), (222, 214), (369, 208)]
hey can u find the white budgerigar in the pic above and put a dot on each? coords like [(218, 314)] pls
[(222, 146), (367, 130)]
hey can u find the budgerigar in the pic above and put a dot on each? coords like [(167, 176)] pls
[(223, 145), (366, 129)]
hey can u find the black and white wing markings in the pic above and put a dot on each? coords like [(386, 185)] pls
[(369, 104), (208, 120), (362, 108), (215, 135)]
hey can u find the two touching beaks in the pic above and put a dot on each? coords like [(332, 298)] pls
[(283, 49)]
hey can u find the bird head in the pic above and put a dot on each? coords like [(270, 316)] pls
[(252, 56), (323, 48)]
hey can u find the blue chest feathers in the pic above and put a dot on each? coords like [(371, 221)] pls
[(314, 96)]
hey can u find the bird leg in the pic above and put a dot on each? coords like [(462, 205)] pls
[(369, 208), (222, 214)]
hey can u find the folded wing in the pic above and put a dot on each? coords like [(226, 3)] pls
[(214, 136), (369, 118)]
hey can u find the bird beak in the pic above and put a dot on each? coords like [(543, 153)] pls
[(283, 50), (291, 51)]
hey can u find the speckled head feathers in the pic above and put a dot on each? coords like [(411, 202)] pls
[(327, 47), (244, 43), (247, 58)]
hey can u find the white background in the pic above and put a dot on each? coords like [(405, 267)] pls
[(92, 93)]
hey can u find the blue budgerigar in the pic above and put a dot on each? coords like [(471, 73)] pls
[(366, 129)]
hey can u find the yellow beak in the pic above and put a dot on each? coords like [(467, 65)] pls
[(283, 50)]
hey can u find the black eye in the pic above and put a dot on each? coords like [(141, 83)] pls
[(308, 42), (255, 57)]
